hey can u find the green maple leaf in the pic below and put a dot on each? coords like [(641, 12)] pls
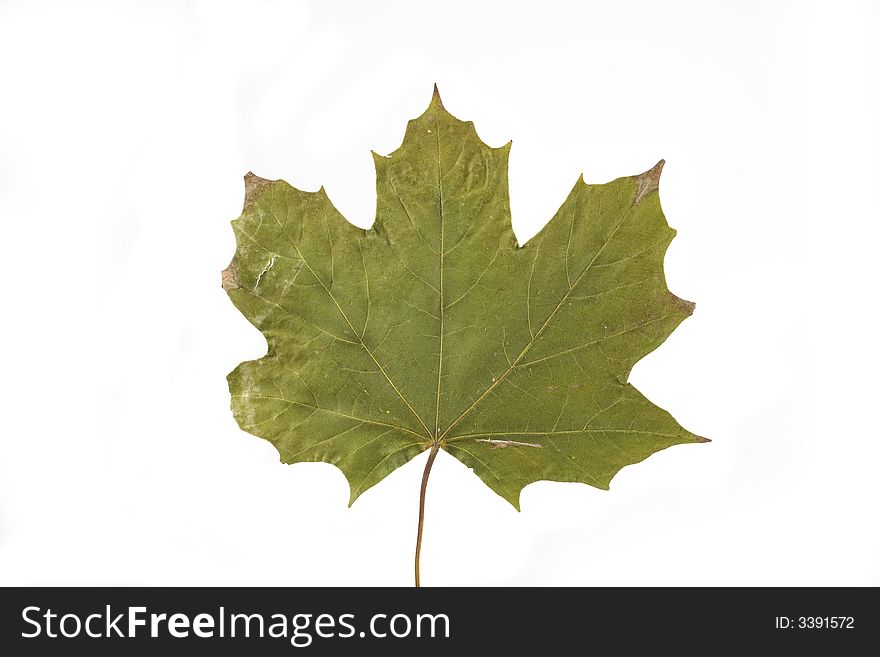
[(435, 330)]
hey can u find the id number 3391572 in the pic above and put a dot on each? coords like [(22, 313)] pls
[(815, 622)]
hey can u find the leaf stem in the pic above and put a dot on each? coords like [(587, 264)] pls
[(427, 473)]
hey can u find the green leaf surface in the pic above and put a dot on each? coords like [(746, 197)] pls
[(436, 326)]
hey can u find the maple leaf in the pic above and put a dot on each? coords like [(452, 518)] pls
[(435, 330)]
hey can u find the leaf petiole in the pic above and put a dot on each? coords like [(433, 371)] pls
[(427, 473)]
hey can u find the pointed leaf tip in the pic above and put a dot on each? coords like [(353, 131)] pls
[(252, 184), (649, 181), (436, 97), (682, 305)]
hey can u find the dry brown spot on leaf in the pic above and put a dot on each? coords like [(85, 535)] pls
[(230, 276)]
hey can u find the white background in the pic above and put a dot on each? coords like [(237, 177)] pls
[(125, 130)]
